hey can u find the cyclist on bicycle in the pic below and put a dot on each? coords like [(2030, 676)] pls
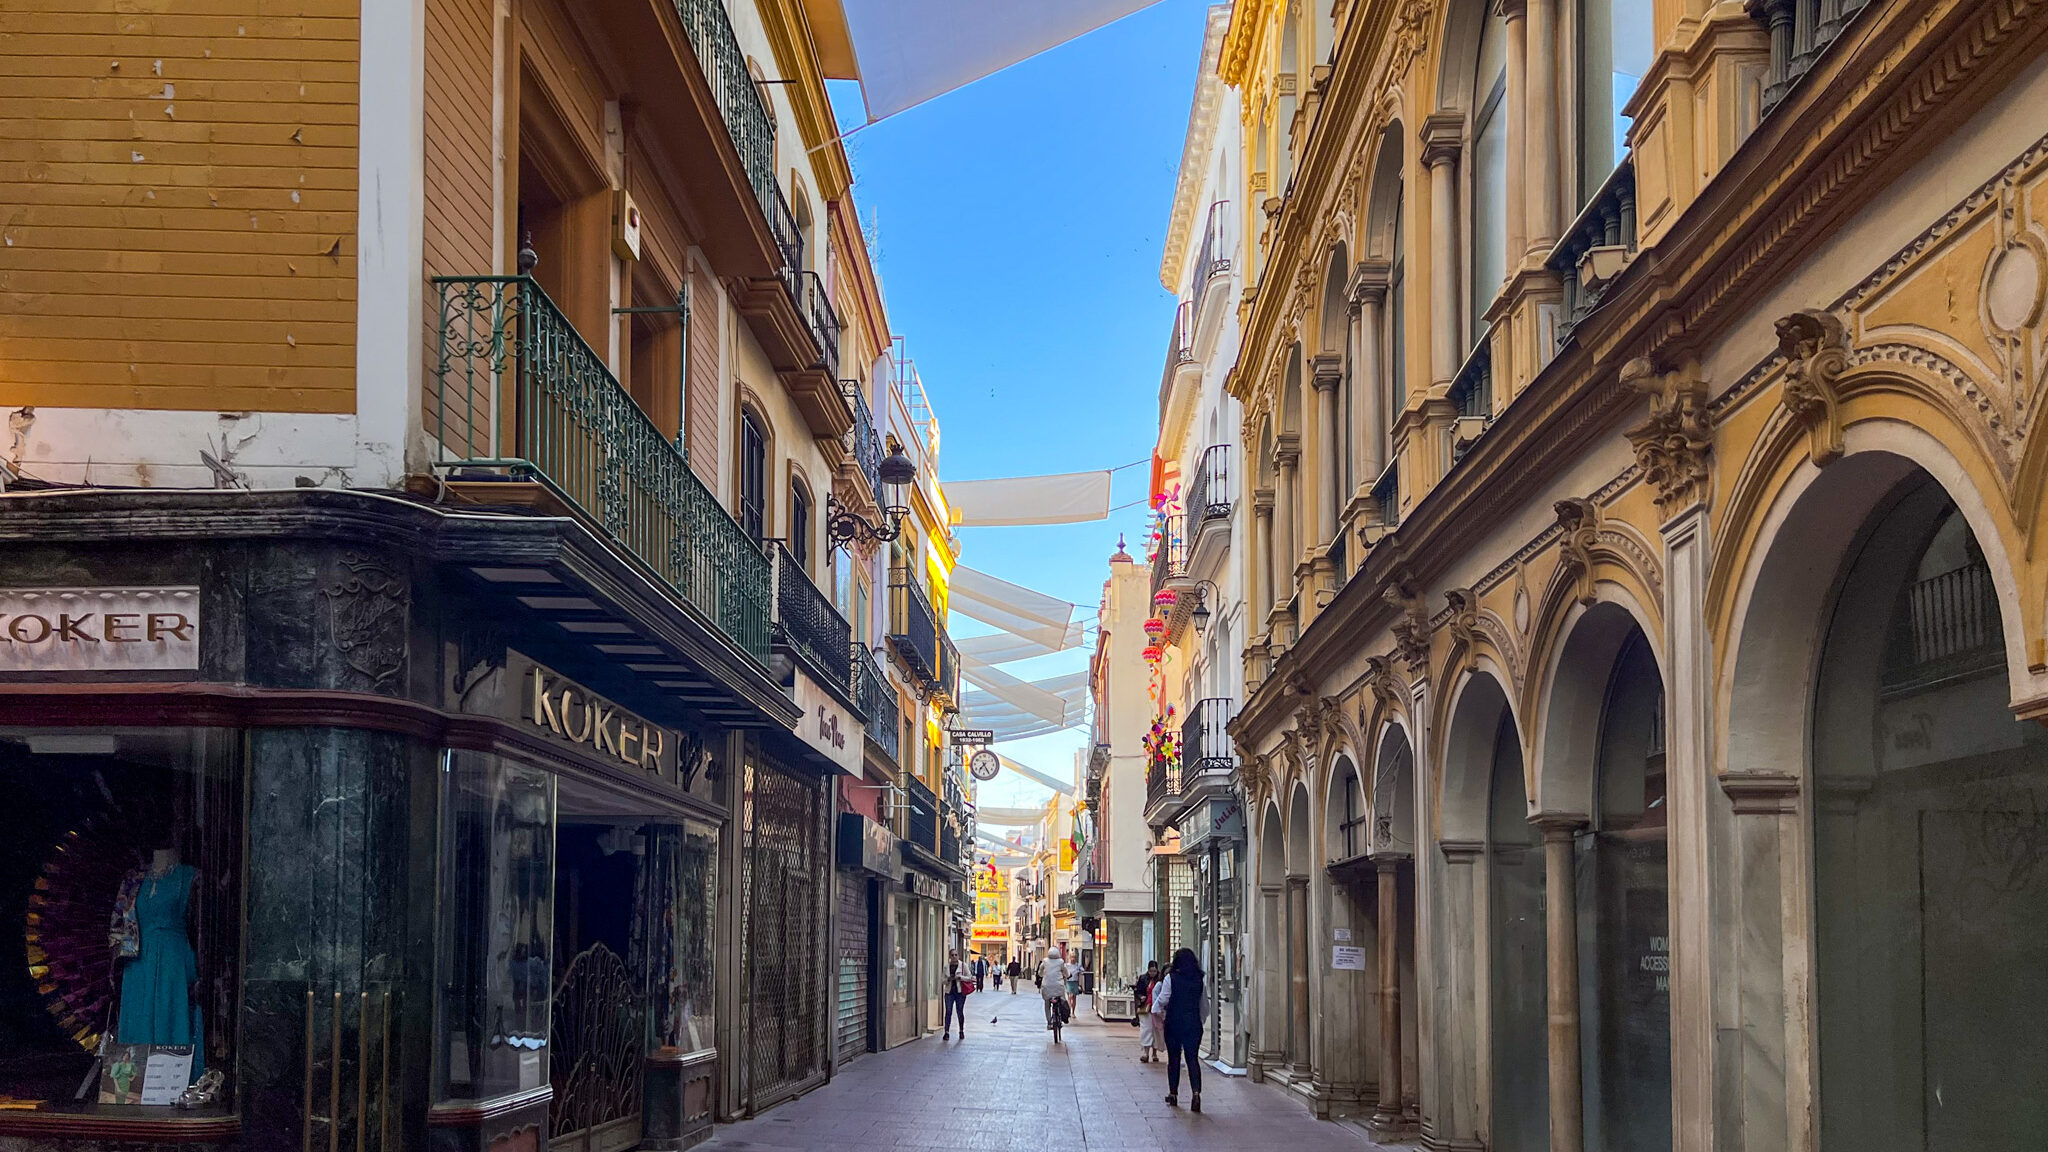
[(1052, 980)]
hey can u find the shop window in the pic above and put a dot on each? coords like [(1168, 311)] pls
[(680, 921), (120, 916), (1519, 1007), (497, 926)]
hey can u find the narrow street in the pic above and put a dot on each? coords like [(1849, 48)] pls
[(1006, 1088)]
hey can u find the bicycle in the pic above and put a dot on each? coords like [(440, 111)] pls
[(1055, 1011)]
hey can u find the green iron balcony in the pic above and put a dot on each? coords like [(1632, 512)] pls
[(519, 394)]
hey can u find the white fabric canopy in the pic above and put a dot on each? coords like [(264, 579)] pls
[(912, 50), (1068, 498), (1010, 817), (1040, 700), (981, 709), (1003, 647), (1014, 608)]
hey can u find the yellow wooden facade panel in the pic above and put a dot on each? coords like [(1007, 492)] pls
[(181, 188), (458, 199)]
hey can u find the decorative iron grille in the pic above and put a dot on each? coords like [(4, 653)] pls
[(816, 306), (598, 1032), (913, 626), (518, 392), (783, 829), (1214, 259), (1170, 559), (922, 805)]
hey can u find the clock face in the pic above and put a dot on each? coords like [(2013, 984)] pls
[(984, 764)]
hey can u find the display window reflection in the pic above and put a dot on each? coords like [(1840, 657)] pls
[(120, 917), (496, 954)]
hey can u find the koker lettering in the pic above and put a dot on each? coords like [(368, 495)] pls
[(580, 718)]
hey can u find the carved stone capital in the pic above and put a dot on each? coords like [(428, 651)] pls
[(1762, 793), (1412, 20), (1673, 447), (1464, 622), (1325, 370), (1443, 138), (1287, 449), (1384, 680), (1411, 627), (1580, 519), (1816, 349), (1369, 281)]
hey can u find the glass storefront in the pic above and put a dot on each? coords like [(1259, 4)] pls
[(120, 916), (899, 1008)]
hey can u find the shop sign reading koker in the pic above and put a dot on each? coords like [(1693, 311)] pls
[(98, 629), (570, 712)]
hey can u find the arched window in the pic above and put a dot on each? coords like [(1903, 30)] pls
[(799, 524), (753, 475), (1616, 45), (1489, 162)]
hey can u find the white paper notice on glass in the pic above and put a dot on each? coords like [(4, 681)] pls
[(166, 1076), (1343, 935), (1345, 958), (529, 1070)]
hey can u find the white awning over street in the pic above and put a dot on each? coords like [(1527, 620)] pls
[(1065, 498), (909, 51)]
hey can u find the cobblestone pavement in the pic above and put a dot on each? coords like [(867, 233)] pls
[(1006, 1088)]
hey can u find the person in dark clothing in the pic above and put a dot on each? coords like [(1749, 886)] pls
[(1186, 999), (1015, 971), (956, 994)]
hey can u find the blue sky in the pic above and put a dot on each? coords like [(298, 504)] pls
[(1017, 227)]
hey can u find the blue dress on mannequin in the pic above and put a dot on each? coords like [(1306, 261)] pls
[(156, 986)]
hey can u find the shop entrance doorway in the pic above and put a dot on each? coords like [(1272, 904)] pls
[(598, 1024)]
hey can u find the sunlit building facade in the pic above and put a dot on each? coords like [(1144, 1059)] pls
[(1646, 653)]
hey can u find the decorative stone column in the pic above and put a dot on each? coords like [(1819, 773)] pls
[(1457, 1042), (1388, 1114), (1766, 1092), (1561, 941), (1328, 372), (1442, 140), (1516, 109), (1297, 976), (1368, 373), (1287, 513), (1540, 152), (1262, 565), (1269, 1026)]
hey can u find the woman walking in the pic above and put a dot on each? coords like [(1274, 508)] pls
[(1141, 1001), (1183, 1001)]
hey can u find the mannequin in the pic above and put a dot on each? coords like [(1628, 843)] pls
[(158, 976)]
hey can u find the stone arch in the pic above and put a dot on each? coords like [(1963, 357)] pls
[(1346, 822), (1299, 824), (1568, 695), (1393, 792), (1471, 722), (1815, 540)]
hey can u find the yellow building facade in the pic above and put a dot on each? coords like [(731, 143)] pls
[(1650, 632)]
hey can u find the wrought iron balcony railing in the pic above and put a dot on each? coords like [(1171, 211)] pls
[(816, 306), (862, 441), (789, 239), (1214, 259), (876, 698), (732, 86), (913, 626), (1595, 249), (1386, 495), (1183, 334), (1170, 559), (1954, 627), (1800, 31), (922, 826), (1205, 737), (518, 393), (947, 687), (1209, 494), (1162, 781), (806, 621)]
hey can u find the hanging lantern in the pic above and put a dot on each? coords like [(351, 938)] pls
[(1165, 598), (1152, 653), (1155, 627)]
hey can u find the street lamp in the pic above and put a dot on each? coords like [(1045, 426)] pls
[(843, 524), (1201, 614)]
